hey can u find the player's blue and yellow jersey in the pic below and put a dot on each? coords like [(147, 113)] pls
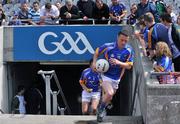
[(164, 63), (91, 79), (111, 50)]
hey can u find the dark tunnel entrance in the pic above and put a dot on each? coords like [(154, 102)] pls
[(22, 73)]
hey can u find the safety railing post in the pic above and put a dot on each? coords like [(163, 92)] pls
[(47, 76), (54, 94), (48, 95)]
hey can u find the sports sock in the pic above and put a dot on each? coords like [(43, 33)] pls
[(102, 106)]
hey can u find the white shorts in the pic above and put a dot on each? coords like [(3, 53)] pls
[(114, 83), (87, 97)]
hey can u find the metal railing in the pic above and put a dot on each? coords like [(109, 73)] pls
[(47, 76), (66, 21), (166, 77)]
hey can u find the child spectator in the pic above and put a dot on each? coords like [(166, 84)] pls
[(164, 63), (132, 17)]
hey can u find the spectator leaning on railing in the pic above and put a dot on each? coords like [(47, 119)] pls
[(174, 39), (69, 11), (86, 8), (132, 17), (34, 13), (49, 12), (23, 13), (117, 12), (100, 12)]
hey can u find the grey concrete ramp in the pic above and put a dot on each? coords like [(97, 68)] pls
[(45, 119)]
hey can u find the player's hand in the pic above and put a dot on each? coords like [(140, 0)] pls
[(48, 16), (103, 18), (68, 15), (118, 18), (85, 18), (144, 51), (114, 61), (89, 90)]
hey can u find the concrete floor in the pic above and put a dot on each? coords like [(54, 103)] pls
[(45, 119)]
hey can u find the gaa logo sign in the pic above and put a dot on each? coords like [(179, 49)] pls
[(66, 38)]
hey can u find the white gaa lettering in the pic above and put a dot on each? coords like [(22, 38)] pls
[(59, 45)]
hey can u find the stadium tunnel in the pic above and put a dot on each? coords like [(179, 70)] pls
[(25, 73), (22, 61)]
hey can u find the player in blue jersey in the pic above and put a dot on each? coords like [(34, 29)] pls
[(120, 56), (90, 81)]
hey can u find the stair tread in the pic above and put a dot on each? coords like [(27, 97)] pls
[(66, 119)]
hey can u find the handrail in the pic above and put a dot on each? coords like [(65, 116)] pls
[(53, 74), (58, 21), (164, 73), (61, 92), (80, 19)]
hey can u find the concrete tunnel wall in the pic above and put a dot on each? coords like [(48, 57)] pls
[(157, 103)]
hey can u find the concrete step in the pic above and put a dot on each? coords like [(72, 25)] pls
[(66, 119)]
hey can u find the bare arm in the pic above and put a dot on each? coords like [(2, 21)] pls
[(126, 65), (123, 14)]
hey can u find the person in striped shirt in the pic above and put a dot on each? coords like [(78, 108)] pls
[(34, 13)]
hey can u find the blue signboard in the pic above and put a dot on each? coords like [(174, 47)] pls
[(60, 43)]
